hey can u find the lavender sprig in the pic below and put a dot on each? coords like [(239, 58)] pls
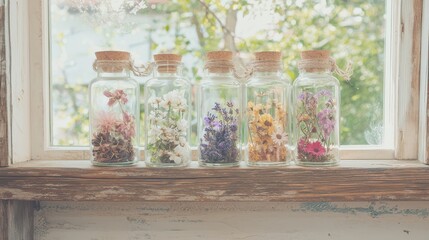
[(219, 142)]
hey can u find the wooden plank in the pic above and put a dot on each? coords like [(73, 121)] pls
[(38, 136), (232, 221), (39, 72), (16, 221), (4, 93), (20, 80), (3, 223), (351, 181), (424, 88), (406, 145)]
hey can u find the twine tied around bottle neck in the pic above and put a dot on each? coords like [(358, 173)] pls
[(318, 64), (167, 66), (119, 65), (224, 66), (265, 66)]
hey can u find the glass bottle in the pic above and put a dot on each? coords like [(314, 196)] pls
[(167, 114), (267, 100), (219, 112), (316, 97), (114, 111)]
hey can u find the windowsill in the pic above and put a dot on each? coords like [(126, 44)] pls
[(353, 180)]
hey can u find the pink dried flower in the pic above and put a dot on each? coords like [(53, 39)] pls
[(127, 127), (326, 121), (106, 122), (117, 96), (315, 149), (302, 145)]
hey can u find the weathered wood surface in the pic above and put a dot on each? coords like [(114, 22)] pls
[(16, 220), (18, 41), (406, 146), (4, 119), (424, 87), (79, 181), (232, 221), (3, 223)]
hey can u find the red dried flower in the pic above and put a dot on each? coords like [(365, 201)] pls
[(315, 149)]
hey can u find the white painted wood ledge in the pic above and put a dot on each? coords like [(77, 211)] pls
[(353, 180)]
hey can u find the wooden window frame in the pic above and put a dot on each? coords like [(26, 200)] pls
[(50, 179), (40, 110), (424, 87), (24, 182)]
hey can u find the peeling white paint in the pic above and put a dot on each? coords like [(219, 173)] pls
[(203, 220)]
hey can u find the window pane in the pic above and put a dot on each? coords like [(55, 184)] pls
[(353, 30)]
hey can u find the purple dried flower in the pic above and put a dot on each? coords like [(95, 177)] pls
[(219, 142), (233, 127), (323, 93), (217, 107), (302, 96), (326, 121), (216, 124), (207, 121)]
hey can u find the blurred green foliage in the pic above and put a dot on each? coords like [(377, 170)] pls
[(354, 30)]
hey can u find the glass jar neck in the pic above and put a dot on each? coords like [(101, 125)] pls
[(226, 73), (124, 73), (167, 73), (309, 71), (267, 74), (219, 68), (315, 66)]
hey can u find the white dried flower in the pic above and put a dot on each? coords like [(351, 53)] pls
[(155, 101), (182, 125), (279, 137)]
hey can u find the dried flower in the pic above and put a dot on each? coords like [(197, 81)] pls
[(109, 149), (173, 99), (315, 149), (112, 141), (117, 96), (168, 127), (267, 138), (323, 93), (127, 126), (106, 121), (219, 142), (326, 121), (316, 122), (267, 120), (155, 101), (179, 154), (279, 137), (303, 118)]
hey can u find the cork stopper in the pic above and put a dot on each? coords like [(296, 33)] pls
[(219, 55), (315, 60), (167, 62), (268, 56), (219, 61), (312, 54), (267, 61), (112, 56), (167, 57)]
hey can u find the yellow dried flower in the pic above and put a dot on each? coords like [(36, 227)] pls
[(263, 120), (257, 110), (266, 122), (250, 106), (304, 117)]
